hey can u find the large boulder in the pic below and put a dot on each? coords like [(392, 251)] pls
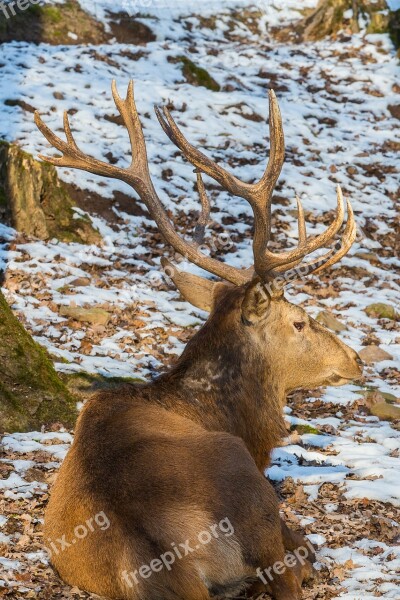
[(331, 16), (67, 23), (35, 202), (31, 393)]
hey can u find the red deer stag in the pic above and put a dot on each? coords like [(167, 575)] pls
[(168, 461)]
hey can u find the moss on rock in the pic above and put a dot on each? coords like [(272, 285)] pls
[(31, 393), (303, 429), (35, 202), (381, 310), (196, 75)]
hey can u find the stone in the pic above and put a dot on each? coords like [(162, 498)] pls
[(372, 354), (31, 392), (80, 282), (394, 110), (385, 412), (196, 75), (371, 256), (375, 396), (381, 311), (330, 17), (95, 316), (34, 201), (302, 428), (326, 318)]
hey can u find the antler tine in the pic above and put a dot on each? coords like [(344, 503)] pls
[(301, 222), (333, 255), (201, 225), (68, 133), (284, 260), (72, 156), (194, 156), (52, 138), (128, 111), (349, 235)]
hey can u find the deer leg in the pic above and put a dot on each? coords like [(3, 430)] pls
[(282, 586), (278, 578), (293, 540), (304, 551), (304, 571)]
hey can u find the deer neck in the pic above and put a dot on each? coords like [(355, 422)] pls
[(226, 386)]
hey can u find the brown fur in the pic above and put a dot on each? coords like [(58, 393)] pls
[(167, 460)]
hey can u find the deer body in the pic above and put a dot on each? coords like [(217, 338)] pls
[(161, 479), (168, 460), (185, 454)]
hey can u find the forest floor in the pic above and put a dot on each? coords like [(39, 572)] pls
[(338, 470)]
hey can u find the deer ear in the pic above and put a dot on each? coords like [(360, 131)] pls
[(255, 302), (195, 289)]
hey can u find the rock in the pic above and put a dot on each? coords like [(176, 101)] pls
[(385, 412), (372, 354), (326, 318), (371, 256), (379, 22), (95, 316), (391, 398), (127, 30), (374, 396), (394, 27), (330, 17), (394, 110), (381, 311), (31, 392), (70, 24), (35, 202), (80, 282)]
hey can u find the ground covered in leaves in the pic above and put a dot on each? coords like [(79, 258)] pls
[(337, 473)]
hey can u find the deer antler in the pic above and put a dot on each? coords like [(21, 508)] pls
[(259, 194), (138, 177)]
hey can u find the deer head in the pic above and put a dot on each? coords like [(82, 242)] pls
[(248, 306)]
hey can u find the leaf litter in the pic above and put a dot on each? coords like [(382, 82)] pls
[(337, 471)]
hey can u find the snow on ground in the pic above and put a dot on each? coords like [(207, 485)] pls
[(334, 96)]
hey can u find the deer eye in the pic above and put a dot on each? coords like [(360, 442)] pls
[(299, 325)]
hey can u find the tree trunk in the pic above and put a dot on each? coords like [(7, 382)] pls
[(31, 393)]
